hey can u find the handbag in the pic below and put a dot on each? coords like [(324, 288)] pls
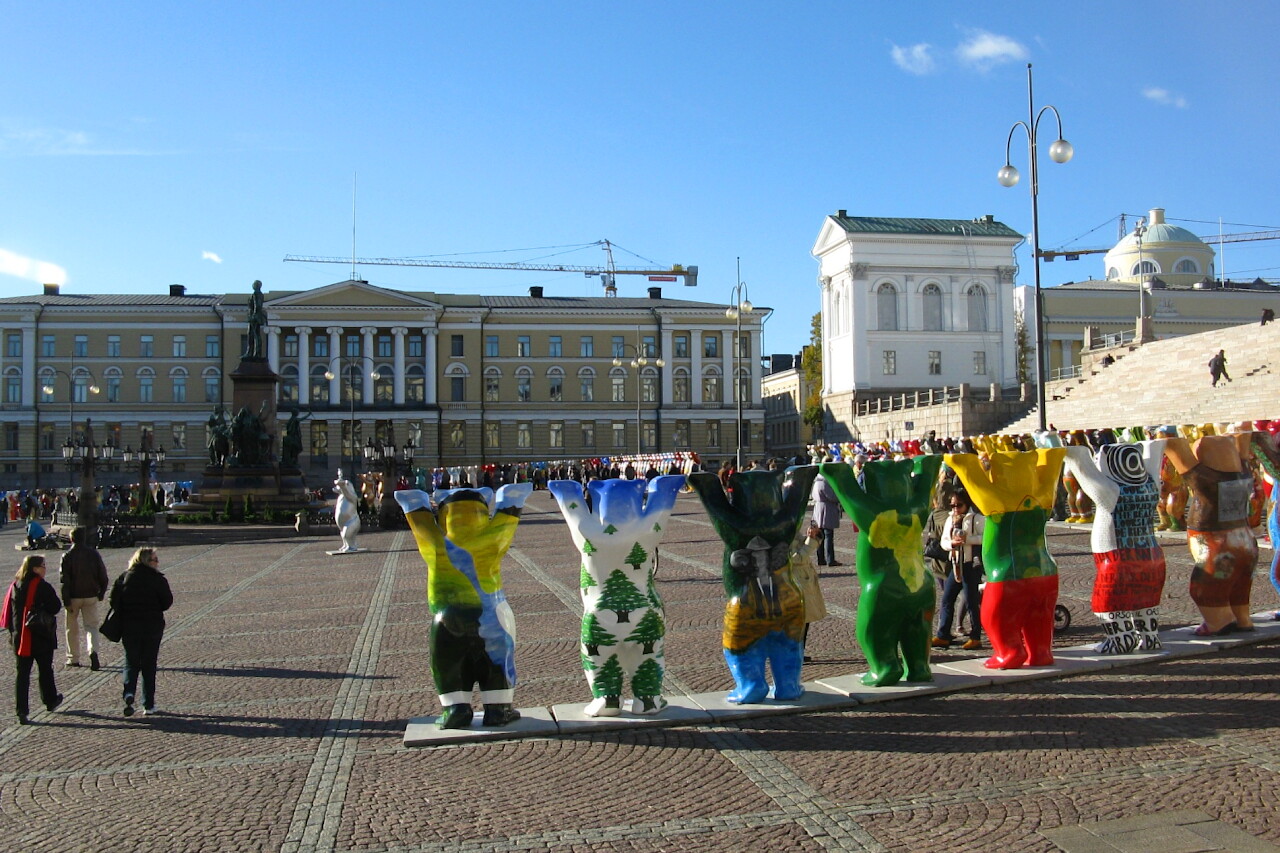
[(42, 625), (110, 628), (933, 549)]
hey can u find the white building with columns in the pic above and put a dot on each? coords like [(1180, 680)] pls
[(911, 304)]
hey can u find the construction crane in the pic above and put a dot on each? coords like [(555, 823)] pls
[(1243, 237), (606, 273)]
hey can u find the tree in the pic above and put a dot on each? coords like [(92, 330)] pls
[(814, 413), (646, 683), (611, 530), (638, 556), (1021, 349), (620, 595), (649, 630), (585, 578), (608, 679), (588, 548), (594, 635)]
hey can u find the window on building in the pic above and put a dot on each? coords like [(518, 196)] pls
[(352, 438), (415, 384), (887, 307), (743, 386), (978, 321), (680, 388), (889, 362), (711, 388), (212, 347), (147, 346), (180, 388), (80, 388), (384, 388), (319, 390), (619, 435), (12, 388), (649, 388), (524, 347), (588, 434), (456, 349), (680, 436), (415, 346), (555, 435), (932, 299), (288, 346), (80, 346), (351, 346), (587, 388), (492, 381), (113, 346), (618, 346), (319, 440), (980, 363), (935, 362), (648, 435), (352, 384), (10, 436), (48, 346), (1186, 265), (649, 345), (383, 347), (490, 346), (178, 437), (618, 386), (145, 390), (555, 388), (1144, 268), (320, 346), (213, 388), (524, 388), (524, 436), (681, 345), (492, 436), (458, 435), (743, 345), (555, 347), (13, 345), (711, 346), (458, 389), (586, 347), (48, 441), (713, 433)]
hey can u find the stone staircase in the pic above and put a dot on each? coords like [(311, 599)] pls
[(1167, 382)]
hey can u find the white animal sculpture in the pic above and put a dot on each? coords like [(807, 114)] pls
[(346, 514)]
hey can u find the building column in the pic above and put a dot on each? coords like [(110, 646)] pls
[(753, 340), (366, 349), (29, 378), (398, 334), (273, 348), (430, 334), (335, 364), (666, 372), (304, 365), (729, 386), (695, 367)]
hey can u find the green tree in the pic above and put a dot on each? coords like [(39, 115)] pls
[(608, 679), (594, 635), (649, 630), (611, 530), (1021, 349), (638, 556), (585, 578), (814, 413), (588, 548), (588, 664), (620, 595), (646, 683)]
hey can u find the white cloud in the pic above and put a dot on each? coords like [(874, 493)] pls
[(20, 266), (210, 256), (1165, 97), (915, 59), (985, 50)]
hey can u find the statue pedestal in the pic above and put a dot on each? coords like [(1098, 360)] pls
[(269, 487), (253, 383)]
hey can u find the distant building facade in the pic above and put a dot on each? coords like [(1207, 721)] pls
[(469, 380)]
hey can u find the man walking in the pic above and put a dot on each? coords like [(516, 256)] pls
[(84, 584), (1218, 368)]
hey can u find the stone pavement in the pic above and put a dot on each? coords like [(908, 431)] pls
[(288, 678)]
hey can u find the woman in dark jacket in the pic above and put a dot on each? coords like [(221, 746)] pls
[(31, 592), (140, 597)]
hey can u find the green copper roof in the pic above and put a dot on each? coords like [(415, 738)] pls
[(981, 227)]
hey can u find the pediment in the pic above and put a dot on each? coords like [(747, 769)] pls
[(829, 236), (352, 293)]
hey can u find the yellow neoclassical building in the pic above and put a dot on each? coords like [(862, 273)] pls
[(468, 379)]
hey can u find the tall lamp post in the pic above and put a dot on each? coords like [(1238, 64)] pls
[(1059, 152), (86, 457), (346, 365), (740, 305), (78, 378), (384, 455), (146, 457), (639, 361), (1140, 231)]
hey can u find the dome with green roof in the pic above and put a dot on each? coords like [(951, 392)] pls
[(1158, 250)]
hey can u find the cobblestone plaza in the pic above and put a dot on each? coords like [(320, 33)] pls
[(288, 676)]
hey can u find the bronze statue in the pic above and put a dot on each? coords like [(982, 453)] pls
[(254, 350)]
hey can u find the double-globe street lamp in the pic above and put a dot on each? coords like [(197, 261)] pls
[(80, 452), (347, 367), (147, 458), (739, 305), (1059, 152), (383, 456), (639, 361)]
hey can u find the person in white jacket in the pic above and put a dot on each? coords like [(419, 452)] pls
[(962, 540)]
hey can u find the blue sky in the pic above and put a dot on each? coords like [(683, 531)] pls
[(145, 144)]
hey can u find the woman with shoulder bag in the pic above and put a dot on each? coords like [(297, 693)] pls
[(962, 539), (30, 612), (139, 598)]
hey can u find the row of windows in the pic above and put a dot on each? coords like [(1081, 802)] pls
[(931, 299), (889, 362), (83, 387), (1146, 267), (146, 346)]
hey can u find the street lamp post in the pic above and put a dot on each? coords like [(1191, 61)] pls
[(146, 456), (383, 455), (346, 364), (87, 457), (638, 362), (1139, 332), (91, 387), (1059, 152), (740, 305)]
